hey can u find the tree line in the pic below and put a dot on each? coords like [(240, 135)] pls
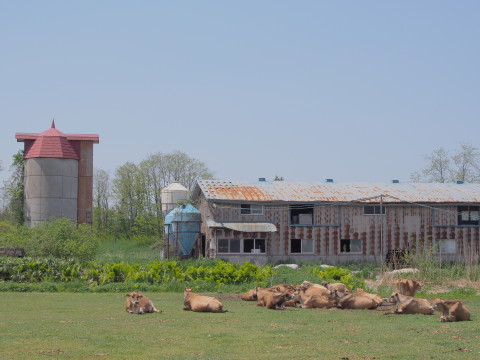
[(126, 203)]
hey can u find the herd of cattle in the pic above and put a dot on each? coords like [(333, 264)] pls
[(309, 295)]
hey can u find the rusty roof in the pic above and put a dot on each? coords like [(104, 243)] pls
[(284, 191)]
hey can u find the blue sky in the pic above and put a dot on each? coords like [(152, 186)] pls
[(308, 90)]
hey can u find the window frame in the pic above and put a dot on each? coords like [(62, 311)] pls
[(302, 242), (470, 209), (350, 246), (246, 209), (301, 209), (437, 246), (375, 208), (258, 244)]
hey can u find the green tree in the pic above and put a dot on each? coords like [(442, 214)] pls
[(14, 191)]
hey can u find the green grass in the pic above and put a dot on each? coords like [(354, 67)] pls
[(95, 326), (128, 251)]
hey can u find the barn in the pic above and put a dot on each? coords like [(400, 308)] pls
[(279, 221)]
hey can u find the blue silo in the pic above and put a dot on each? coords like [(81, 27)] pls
[(182, 228)]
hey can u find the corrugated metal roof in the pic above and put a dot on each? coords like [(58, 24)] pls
[(283, 191)]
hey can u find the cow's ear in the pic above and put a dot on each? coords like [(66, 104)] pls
[(140, 296)]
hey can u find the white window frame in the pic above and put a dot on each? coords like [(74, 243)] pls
[(375, 208), (251, 209), (351, 252), (441, 246), (302, 246)]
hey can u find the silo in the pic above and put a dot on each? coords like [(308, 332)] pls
[(182, 228), (58, 175), (172, 195)]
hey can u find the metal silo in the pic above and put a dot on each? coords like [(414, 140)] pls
[(172, 195), (182, 229), (58, 175)]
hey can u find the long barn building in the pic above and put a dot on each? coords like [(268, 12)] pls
[(278, 221)]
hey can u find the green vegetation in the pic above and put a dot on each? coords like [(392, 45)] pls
[(87, 326)]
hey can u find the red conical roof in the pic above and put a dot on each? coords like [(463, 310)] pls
[(53, 144)]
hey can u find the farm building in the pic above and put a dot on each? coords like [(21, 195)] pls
[(58, 175), (278, 221)]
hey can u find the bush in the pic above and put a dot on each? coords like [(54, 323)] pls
[(62, 239), (334, 274)]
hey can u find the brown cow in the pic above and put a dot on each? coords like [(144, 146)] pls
[(410, 305), (312, 301), (452, 310), (377, 298), (314, 289), (407, 286), (354, 301), (139, 304), (248, 296), (201, 303), (342, 289)]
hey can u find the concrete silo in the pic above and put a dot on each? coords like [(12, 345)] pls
[(58, 179)]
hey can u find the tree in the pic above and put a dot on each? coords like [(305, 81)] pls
[(464, 165), (13, 190), (101, 198)]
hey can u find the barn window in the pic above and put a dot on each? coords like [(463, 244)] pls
[(468, 215), (351, 245), (251, 209), (374, 210), (254, 246), (301, 214), (227, 246), (446, 246), (301, 246)]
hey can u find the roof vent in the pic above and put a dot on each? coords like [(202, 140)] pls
[(459, 182), (329, 180), (262, 179), (395, 181)]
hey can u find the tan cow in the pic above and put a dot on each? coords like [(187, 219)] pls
[(314, 289), (452, 310), (377, 298), (407, 286), (354, 301), (342, 289), (139, 304), (201, 303), (248, 296), (312, 301), (410, 305)]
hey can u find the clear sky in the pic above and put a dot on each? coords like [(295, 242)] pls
[(308, 90)]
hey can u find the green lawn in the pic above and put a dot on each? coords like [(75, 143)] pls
[(95, 326)]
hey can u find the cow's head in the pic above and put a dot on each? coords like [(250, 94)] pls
[(394, 298), (134, 297)]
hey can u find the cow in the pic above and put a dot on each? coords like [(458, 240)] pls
[(137, 303), (342, 289), (201, 303), (410, 305), (452, 310), (407, 286), (272, 298), (314, 289), (354, 300), (377, 298), (248, 296), (312, 301)]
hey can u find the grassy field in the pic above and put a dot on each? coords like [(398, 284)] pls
[(95, 326)]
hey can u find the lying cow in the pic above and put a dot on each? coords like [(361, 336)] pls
[(314, 289), (342, 289), (201, 303), (410, 305), (139, 304), (312, 301), (248, 296), (354, 300), (407, 286), (452, 310), (272, 298)]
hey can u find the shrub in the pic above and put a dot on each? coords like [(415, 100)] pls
[(337, 274)]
